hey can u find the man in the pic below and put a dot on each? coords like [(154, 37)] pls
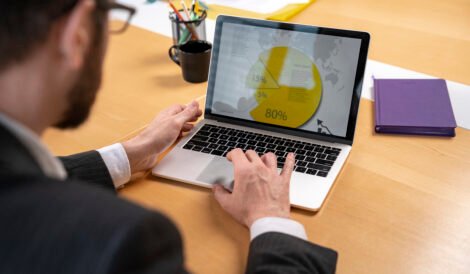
[(59, 216)]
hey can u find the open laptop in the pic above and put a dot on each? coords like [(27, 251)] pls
[(276, 87)]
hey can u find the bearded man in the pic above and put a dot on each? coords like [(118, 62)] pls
[(61, 215)]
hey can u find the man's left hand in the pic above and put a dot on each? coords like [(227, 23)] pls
[(160, 134)]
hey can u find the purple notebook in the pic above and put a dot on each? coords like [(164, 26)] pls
[(413, 106)]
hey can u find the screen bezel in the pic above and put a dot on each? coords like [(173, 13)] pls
[(360, 70)]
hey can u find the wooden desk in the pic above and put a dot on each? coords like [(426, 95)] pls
[(400, 205)]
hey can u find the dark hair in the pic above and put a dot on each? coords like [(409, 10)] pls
[(25, 24)]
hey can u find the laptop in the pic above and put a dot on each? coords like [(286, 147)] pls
[(276, 87)]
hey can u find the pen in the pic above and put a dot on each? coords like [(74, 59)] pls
[(193, 6), (190, 28), (203, 5)]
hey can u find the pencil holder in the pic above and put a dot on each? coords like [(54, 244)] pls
[(187, 30)]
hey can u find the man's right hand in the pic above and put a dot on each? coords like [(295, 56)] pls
[(259, 190)]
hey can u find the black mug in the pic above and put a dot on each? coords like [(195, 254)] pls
[(193, 57)]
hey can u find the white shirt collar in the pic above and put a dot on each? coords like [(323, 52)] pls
[(49, 164)]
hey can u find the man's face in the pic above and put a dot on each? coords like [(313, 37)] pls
[(83, 93)]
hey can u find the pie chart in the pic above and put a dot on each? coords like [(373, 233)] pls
[(287, 86)]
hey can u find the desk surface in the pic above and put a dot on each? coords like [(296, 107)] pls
[(400, 205)]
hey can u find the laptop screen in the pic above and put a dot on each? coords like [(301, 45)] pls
[(294, 77)]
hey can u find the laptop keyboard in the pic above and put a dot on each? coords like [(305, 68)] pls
[(310, 158)]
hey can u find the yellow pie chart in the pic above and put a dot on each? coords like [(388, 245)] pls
[(287, 85)]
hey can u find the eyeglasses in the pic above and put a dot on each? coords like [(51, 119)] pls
[(119, 11), (122, 12)]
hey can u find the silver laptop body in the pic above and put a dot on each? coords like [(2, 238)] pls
[(276, 87)]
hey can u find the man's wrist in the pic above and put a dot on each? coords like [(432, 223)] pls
[(277, 224)]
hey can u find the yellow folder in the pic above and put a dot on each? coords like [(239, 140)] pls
[(283, 14)]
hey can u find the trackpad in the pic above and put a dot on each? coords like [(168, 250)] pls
[(218, 171)]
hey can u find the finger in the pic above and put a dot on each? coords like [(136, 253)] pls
[(288, 167), (253, 157), (237, 156), (222, 196), (188, 113), (174, 109), (187, 127), (194, 119), (270, 160)]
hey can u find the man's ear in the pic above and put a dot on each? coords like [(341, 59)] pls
[(76, 33)]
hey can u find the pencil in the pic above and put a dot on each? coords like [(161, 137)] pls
[(190, 28)]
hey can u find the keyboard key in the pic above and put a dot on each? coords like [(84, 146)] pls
[(321, 156), (319, 167), (200, 138), (302, 163), (311, 171), (203, 133), (299, 157), (206, 127), (300, 169), (261, 144), (290, 149), (260, 138), (217, 152), (331, 152), (241, 146), (198, 143), (233, 139), (300, 152), (289, 144), (188, 146), (324, 162), (250, 147), (241, 135), (213, 146), (331, 158), (322, 174), (318, 149), (242, 140), (222, 142), (270, 145), (279, 142), (215, 135), (309, 147), (310, 159), (223, 148), (269, 140), (260, 150), (251, 142), (231, 144), (312, 154), (299, 145), (197, 148), (206, 150), (213, 140)]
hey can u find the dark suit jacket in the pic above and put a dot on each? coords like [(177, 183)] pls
[(80, 226)]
